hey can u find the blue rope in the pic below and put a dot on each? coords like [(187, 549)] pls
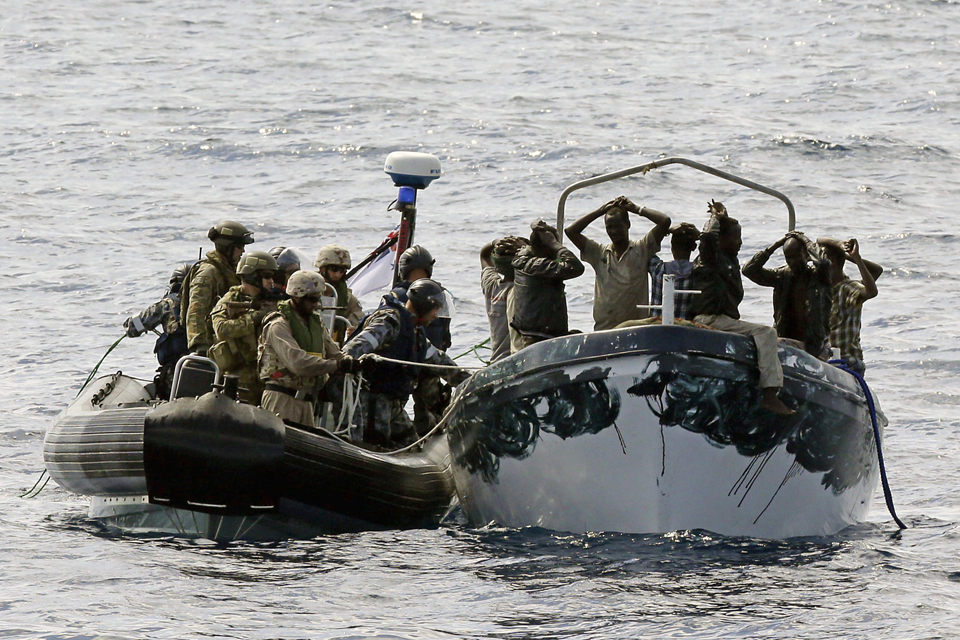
[(887, 495)]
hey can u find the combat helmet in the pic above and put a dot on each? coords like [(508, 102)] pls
[(179, 273), (425, 295), (416, 257), (305, 283), (252, 264), (332, 254), (227, 233)]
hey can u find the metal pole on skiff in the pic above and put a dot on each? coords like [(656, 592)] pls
[(410, 171), (644, 168)]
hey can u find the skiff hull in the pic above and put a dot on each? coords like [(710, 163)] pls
[(658, 429)]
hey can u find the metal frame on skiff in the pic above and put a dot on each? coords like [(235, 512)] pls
[(656, 164)]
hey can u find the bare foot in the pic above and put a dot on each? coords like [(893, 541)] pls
[(773, 404)]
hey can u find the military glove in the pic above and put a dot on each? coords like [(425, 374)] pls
[(134, 327), (367, 363), (348, 364)]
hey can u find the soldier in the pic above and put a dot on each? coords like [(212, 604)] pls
[(238, 318), (209, 280), (172, 343), (333, 262), (416, 263), (288, 263), (297, 353), (395, 331)]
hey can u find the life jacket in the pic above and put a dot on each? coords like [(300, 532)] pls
[(270, 369), (410, 345)]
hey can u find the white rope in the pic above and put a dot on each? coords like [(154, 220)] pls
[(350, 401), (440, 425), (424, 365)]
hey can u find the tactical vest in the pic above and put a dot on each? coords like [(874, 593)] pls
[(410, 345), (224, 278), (234, 354), (269, 367)]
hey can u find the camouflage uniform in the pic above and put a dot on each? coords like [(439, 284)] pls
[(237, 332), (381, 415), (285, 363), (206, 283)]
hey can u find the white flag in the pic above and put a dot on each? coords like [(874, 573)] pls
[(378, 274)]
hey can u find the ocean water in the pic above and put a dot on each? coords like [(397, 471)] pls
[(130, 127)]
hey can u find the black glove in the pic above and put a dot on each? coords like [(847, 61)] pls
[(367, 363), (348, 364)]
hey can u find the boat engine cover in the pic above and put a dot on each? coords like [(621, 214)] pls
[(213, 454)]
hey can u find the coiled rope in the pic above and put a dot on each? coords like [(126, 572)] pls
[(350, 401), (887, 495), (351, 397)]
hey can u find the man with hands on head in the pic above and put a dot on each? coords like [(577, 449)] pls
[(622, 265), (801, 291), (716, 274), (848, 297), (538, 307), (496, 282)]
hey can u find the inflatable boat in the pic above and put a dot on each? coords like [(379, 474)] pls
[(206, 465)]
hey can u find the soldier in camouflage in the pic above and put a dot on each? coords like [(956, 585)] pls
[(333, 262), (395, 331), (172, 343), (209, 280), (238, 318), (297, 354)]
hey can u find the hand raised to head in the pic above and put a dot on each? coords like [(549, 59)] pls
[(716, 208), (625, 203), (852, 248)]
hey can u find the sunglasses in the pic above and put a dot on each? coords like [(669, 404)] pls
[(313, 299), (337, 267)]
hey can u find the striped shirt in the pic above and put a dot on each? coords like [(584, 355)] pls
[(681, 270), (845, 317)]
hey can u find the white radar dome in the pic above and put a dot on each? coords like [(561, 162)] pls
[(412, 169)]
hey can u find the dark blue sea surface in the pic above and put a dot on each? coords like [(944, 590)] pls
[(129, 128)]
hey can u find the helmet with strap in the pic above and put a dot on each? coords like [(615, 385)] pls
[(305, 283)]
